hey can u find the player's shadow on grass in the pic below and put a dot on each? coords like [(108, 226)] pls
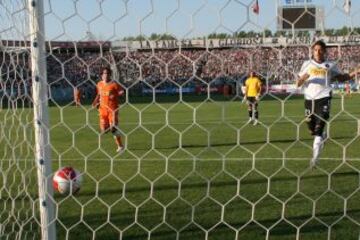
[(212, 145), (231, 144)]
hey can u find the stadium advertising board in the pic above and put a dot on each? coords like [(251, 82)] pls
[(233, 42)]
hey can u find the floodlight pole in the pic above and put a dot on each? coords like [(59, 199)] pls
[(41, 118)]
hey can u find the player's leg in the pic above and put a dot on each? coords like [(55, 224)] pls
[(255, 112), (114, 119), (322, 113), (250, 109), (318, 140), (311, 122), (104, 121), (77, 101), (310, 118), (323, 110)]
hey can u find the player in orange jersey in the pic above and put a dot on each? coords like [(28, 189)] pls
[(107, 98), (347, 88), (77, 96)]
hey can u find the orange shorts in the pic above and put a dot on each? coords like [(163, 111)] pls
[(108, 118)]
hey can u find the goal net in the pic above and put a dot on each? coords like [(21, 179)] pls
[(198, 161)]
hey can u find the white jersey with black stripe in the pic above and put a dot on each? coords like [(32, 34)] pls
[(320, 74)]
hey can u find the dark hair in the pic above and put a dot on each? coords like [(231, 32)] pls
[(321, 43), (105, 68)]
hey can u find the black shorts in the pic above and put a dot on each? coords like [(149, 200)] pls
[(318, 108), (251, 100)]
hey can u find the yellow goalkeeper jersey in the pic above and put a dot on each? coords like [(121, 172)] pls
[(253, 86)]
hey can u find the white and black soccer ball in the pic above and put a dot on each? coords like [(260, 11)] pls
[(67, 180)]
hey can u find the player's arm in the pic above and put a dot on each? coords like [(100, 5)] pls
[(121, 91), (243, 91), (246, 90), (302, 79), (259, 90), (347, 76), (96, 100), (303, 74)]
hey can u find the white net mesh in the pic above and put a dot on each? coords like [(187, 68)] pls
[(193, 166)]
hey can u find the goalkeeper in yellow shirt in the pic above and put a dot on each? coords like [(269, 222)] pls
[(252, 95)]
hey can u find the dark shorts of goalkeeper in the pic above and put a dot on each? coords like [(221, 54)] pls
[(251, 100)]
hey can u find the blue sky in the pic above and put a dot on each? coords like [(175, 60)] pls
[(115, 19)]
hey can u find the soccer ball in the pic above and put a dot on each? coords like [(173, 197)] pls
[(67, 180)]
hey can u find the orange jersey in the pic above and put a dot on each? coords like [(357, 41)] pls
[(109, 94)]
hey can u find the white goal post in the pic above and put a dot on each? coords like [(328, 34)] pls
[(41, 119)]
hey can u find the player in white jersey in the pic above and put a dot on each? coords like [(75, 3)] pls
[(315, 76)]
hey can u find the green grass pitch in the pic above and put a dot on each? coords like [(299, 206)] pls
[(192, 170)]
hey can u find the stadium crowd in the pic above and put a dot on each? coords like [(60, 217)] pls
[(279, 64), (67, 68)]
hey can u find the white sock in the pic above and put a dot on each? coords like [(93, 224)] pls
[(317, 147)]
